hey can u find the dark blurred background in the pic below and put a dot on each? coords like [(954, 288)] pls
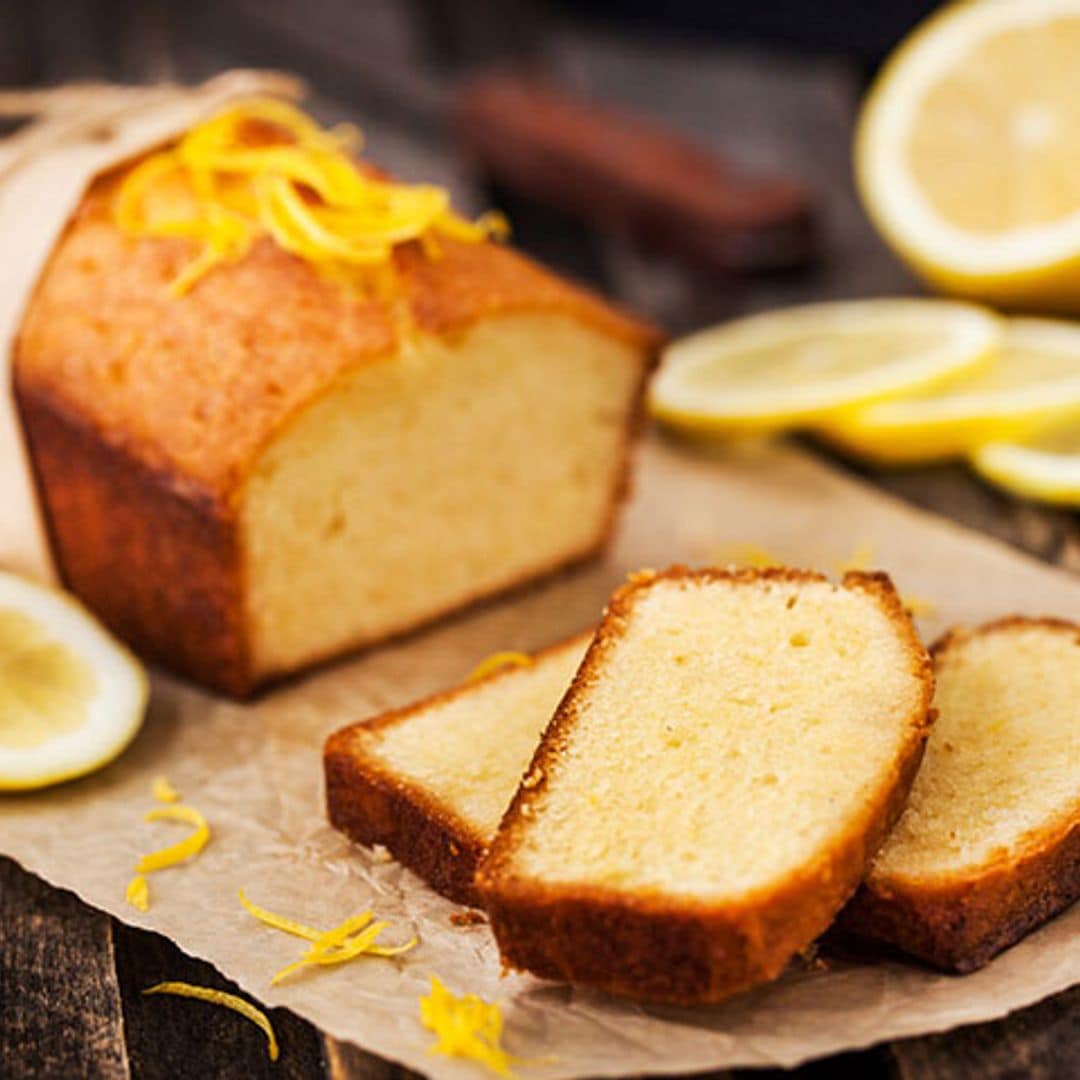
[(770, 86)]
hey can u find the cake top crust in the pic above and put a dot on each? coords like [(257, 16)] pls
[(194, 386)]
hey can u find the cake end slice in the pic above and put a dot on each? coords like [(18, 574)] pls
[(431, 781), (712, 788), (989, 846)]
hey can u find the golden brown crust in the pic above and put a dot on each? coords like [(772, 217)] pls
[(144, 413), (198, 385), (373, 804), (155, 559), (961, 922), (660, 948)]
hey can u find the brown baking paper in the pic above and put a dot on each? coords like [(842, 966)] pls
[(255, 770)]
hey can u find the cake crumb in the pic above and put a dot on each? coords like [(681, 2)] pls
[(468, 917)]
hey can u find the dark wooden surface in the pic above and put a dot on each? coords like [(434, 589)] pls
[(70, 977)]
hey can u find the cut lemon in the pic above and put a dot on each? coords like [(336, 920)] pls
[(804, 364), (71, 698), (966, 152), (1034, 382), (1047, 468)]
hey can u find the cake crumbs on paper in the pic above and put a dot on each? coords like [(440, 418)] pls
[(469, 917)]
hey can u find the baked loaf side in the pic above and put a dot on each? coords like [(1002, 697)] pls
[(712, 788), (272, 469), (430, 782), (989, 846)]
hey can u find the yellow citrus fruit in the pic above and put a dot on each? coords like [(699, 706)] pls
[(71, 698), (1046, 468), (801, 365), (966, 152), (1033, 383)]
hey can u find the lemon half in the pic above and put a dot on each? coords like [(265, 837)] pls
[(71, 698), (1033, 383), (967, 147), (802, 365), (1047, 468)]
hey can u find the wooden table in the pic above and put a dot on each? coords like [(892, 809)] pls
[(70, 976)]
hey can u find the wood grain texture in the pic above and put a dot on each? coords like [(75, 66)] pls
[(60, 1013), (66, 1002), (173, 1038)]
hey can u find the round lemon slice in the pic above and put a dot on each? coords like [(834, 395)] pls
[(71, 698), (1033, 383), (804, 364), (1047, 468), (966, 152)]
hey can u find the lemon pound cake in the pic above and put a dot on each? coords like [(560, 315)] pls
[(260, 442), (430, 782), (712, 788), (989, 846)]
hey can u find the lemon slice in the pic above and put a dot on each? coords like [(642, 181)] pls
[(966, 152), (803, 364), (71, 698), (1047, 468), (1034, 383)]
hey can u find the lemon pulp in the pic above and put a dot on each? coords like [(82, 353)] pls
[(44, 686)]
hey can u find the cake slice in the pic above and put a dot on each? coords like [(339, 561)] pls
[(430, 782), (712, 788), (274, 467), (989, 846)]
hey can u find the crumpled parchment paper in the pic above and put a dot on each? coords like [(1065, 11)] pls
[(255, 770)]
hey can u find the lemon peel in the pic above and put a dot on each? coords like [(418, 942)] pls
[(496, 661), (466, 1027), (184, 849), (356, 936), (279, 922), (163, 791), (229, 1001), (265, 168), (138, 893)]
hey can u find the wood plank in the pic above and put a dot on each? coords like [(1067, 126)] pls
[(1038, 1043), (347, 1062), (60, 1013), (174, 1038)]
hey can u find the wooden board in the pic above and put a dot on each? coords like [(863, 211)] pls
[(71, 978)]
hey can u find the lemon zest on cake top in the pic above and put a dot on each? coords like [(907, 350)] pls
[(465, 1027), (184, 849), (229, 1001), (264, 168), (496, 662)]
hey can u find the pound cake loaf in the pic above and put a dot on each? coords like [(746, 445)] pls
[(989, 845), (247, 465), (431, 782), (712, 788)]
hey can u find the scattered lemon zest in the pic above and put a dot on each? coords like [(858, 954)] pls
[(179, 852), (918, 606), (861, 558), (280, 922), (356, 936), (138, 893), (346, 942), (745, 555), (300, 186), (466, 1027), (496, 661), (229, 1001), (163, 791)]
